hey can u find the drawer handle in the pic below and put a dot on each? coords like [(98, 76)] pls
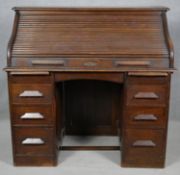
[(132, 63), (33, 141), (150, 95), (145, 117), (30, 93), (90, 64), (32, 115), (143, 143), (48, 62)]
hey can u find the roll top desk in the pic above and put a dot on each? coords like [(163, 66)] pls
[(89, 71)]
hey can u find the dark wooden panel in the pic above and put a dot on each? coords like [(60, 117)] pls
[(151, 95), (31, 93), (59, 111), (143, 148), (35, 161), (91, 107), (29, 79), (86, 63), (145, 117), (135, 32), (102, 76), (95, 34), (151, 91), (148, 80), (33, 115), (22, 134)]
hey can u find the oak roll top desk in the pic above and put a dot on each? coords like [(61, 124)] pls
[(91, 71)]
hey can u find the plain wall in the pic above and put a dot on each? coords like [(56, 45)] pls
[(6, 22)]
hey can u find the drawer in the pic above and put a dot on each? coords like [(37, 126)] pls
[(112, 63), (144, 148), (148, 80), (149, 117), (33, 114), (147, 95), (107, 63), (28, 79), (33, 141), (31, 93), (76, 63)]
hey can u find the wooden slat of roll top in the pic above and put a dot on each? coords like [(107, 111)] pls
[(95, 34), (78, 19)]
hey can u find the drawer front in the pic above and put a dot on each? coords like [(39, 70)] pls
[(149, 117), (148, 80), (28, 79), (33, 141), (147, 95), (31, 93), (89, 63), (86, 63), (38, 115), (144, 147), (109, 63)]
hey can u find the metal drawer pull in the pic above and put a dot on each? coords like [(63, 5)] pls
[(150, 95), (33, 115), (90, 64), (48, 62), (145, 117), (30, 93), (132, 63), (33, 141), (144, 143)]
